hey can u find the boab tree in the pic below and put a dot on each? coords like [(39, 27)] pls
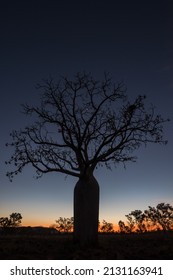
[(82, 124)]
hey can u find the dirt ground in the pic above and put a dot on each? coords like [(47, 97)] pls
[(157, 246)]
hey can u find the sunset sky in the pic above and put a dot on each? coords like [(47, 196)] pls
[(133, 40)]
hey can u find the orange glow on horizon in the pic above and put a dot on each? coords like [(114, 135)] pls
[(42, 223), (30, 223), (47, 225)]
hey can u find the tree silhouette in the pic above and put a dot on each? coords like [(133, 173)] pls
[(136, 218), (82, 124), (4, 222), (123, 228), (64, 224), (130, 222), (106, 227), (160, 216), (13, 221)]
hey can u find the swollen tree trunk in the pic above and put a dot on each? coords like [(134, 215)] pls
[(86, 211)]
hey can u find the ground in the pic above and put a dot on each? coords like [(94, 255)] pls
[(158, 246)]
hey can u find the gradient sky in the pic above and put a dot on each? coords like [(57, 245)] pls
[(133, 40)]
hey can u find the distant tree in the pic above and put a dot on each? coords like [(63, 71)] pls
[(4, 222), (160, 216), (137, 218), (106, 227), (13, 221), (130, 222), (82, 124), (123, 228), (64, 224)]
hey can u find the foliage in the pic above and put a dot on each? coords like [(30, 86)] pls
[(4, 222), (106, 227), (13, 221), (161, 216), (65, 224), (82, 124), (136, 218), (122, 227), (130, 222), (154, 218)]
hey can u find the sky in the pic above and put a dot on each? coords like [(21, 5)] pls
[(132, 40)]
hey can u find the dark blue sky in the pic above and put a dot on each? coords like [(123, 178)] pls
[(133, 40)]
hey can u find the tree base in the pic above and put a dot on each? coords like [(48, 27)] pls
[(86, 211)]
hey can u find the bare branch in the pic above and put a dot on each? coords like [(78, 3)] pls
[(81, 124)]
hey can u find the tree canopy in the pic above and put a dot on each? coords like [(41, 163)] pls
[(154, 218), (14, 220), (81, 124), (64, 224)]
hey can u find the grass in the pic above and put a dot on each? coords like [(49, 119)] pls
[(156, 245)]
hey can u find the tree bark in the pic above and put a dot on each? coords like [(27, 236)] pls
[(86, 211)]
